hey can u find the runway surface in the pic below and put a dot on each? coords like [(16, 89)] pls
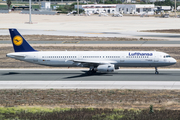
[(78, 79), (96, 42)]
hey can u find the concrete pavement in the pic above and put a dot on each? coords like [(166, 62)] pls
[(78, 79)]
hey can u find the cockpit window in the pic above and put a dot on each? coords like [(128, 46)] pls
[(167, 56)]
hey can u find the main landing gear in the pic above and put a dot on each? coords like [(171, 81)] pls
[(91, 71), (156, 70)]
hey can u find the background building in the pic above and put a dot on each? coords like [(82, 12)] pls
[(122, 8), (98, 8), (45, 5), (135, 8)]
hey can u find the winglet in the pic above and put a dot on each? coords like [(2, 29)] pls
[(19, 43)]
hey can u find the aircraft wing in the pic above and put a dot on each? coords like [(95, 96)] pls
[(93, 62)]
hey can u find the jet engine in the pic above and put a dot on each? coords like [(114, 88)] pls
[(106, 68)]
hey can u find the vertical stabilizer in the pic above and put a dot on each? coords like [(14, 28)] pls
[(19, 43)]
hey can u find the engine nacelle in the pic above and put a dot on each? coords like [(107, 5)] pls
[(106, 68)]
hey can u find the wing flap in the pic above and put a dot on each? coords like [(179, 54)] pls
[(93, 62)]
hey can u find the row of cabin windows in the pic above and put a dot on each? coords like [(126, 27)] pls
[(91, 56), (83, 57), (137, 56), (94, 57), (58, 56), (100, 56)]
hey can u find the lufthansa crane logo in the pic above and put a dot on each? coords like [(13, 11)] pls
[(17, 40)]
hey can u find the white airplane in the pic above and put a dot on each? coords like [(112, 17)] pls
[(102, 61)]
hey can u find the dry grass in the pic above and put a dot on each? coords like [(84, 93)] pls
[(72, 38), (177, 31), (160, 99)]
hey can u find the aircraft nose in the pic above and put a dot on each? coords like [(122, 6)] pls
[(173, 61)]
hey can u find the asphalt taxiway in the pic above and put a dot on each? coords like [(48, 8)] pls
[(78, 79)]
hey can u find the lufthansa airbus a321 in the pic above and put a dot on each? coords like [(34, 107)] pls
[(102, 61)]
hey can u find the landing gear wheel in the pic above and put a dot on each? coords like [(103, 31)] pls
[(91, 71), (156, 70)]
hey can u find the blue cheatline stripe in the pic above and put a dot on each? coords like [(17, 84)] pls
[(19, 43)]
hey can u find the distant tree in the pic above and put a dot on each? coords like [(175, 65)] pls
[(68, 8), (113, 2), (164, 3), (119, 2), (8, 3), (100, 2), (108, 2)]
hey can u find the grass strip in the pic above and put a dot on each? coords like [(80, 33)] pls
[(43, 113)]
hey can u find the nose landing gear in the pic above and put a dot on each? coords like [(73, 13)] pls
[(156, 70)]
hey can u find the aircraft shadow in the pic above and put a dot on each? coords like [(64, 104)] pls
[(88, 75), (119, 74), (94, 74)]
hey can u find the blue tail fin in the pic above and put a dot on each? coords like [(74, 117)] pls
[(19, 43)]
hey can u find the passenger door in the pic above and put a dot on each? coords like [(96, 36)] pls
[(122, 59), (156, 58), (35, 57)]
